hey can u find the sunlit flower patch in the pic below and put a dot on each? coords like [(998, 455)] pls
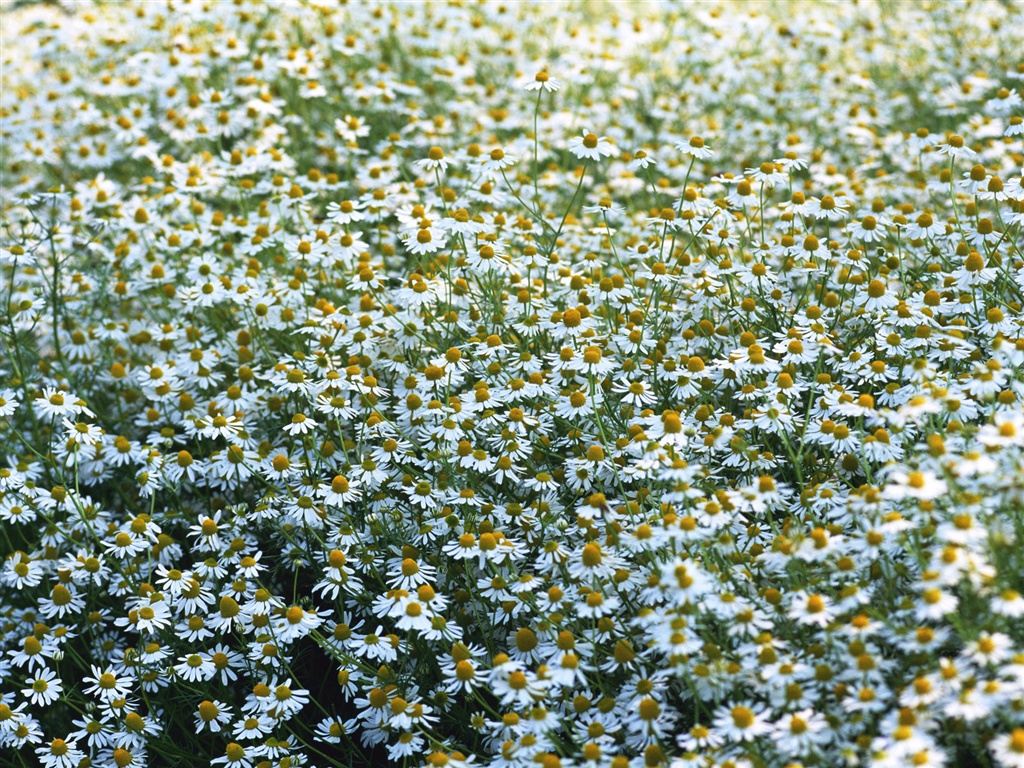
[(475, 384)]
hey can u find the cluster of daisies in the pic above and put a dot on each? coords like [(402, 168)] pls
[(528, 385)]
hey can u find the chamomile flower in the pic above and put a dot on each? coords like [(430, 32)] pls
[(542, 82), (955, 147), (695, 148), (8, 402), (212, 716), (741, 722), (44, 687), (588, 146), (434, 161), (59, 753), (106, 684), (497, 160)]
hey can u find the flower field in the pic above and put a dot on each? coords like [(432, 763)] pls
[(554, 385)]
